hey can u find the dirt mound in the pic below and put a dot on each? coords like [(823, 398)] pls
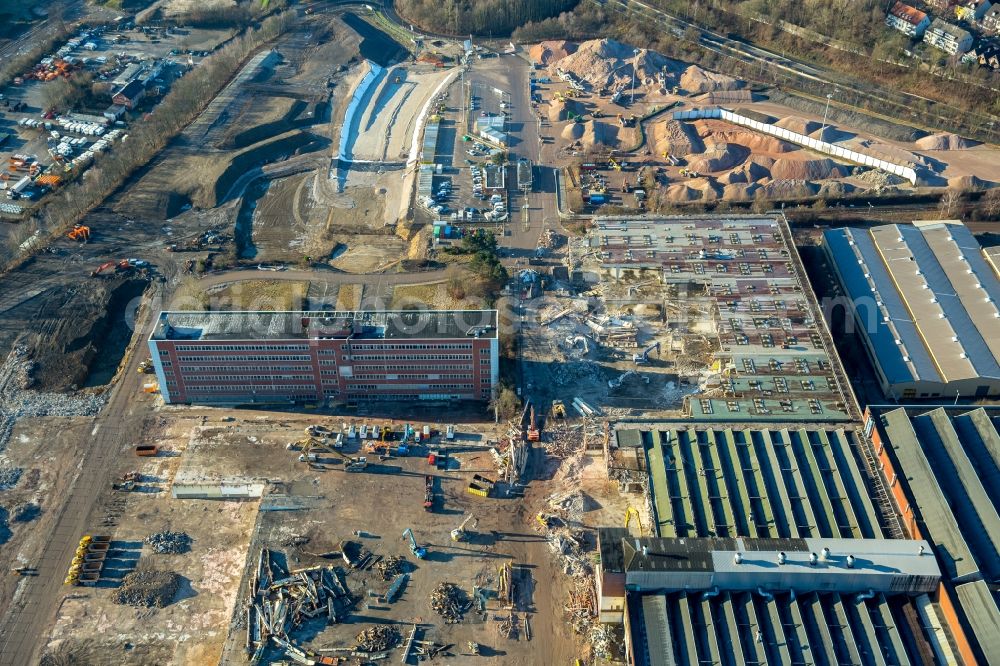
[(753, 170), (707, 189), (729, 97), (573, 132), (560, 110), (835, 188), (598, 133), (968, 184), (675, 138), (718, 157), (788, 189), (739, 191), (819, 168), (551, 51), (758, 143), (799, 125), (606, 63), (944, 141), (697, 80), (680, 193)]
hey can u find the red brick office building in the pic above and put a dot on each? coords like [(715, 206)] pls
[(235, 358)]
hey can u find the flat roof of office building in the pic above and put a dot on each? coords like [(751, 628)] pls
[(306, 325)]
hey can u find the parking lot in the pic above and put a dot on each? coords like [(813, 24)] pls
[(98, 62)]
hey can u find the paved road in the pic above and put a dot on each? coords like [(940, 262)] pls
[(29, 619)]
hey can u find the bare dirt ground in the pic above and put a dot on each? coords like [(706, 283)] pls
[(190, 629)]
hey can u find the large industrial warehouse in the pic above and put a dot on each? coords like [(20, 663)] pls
[(943, 469), (281, 357), (925, 303), (761, 491)]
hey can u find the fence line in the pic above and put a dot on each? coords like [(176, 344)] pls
[(901, 170)]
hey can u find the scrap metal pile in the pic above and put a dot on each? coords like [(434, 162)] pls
[(450, 602), (169, 542), (281, 601), (147, 589), (390, 567), (378, 638)]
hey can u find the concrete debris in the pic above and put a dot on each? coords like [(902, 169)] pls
[(508, 625), (390, 567), (169, 543), (450, 602), (147, 589), (377, 638), (26, 512), (280, 601), (9, 474), (18, 401), (602, 639)]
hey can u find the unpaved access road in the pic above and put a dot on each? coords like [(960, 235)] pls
[(391, 279), (26, 625)]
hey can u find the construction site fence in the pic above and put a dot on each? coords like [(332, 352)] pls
[(901, 170)]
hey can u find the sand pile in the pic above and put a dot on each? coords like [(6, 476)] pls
[(551, 51), (944, 141), (788, 189), (718, 157), (675, 138), (739, 191), (697, 80), (753, 170), (706, 188), (680, 193), (818, 168), (606, 63), (573, 132), (595, 133), (799, 125), (719, 131), (968, 184), (835, 188)]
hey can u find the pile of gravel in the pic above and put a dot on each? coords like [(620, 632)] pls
[(169, 543), (147, 589)]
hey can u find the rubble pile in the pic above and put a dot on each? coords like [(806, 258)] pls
[(377, 638), (390, 567), (147, 589), (510, 456), (9, 474), (280, 601), (169, 543), (602, 638), (449, 602), (26, 512), (18, 401)]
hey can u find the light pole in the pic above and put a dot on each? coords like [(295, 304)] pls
[(822, 129), (635, 52)]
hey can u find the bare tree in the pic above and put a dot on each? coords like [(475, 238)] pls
[(991, 203), (949, 203)]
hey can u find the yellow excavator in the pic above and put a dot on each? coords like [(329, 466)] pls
[(632, 512)]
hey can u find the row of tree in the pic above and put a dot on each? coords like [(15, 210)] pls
[(188, 96), (479, 17)]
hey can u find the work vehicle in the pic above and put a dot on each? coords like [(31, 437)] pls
[(460, 533), (418, 551)]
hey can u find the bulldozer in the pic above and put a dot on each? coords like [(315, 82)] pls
[(558, 409)]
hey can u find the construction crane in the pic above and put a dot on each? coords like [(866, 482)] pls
[(643, 358), (632, 512), (533, 434), (419, 552), (459, 533)]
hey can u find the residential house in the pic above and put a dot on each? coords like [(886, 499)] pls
[(947, 37), (991, 20), (972, 10), (986, 54), (908, 20), (130, 95)]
